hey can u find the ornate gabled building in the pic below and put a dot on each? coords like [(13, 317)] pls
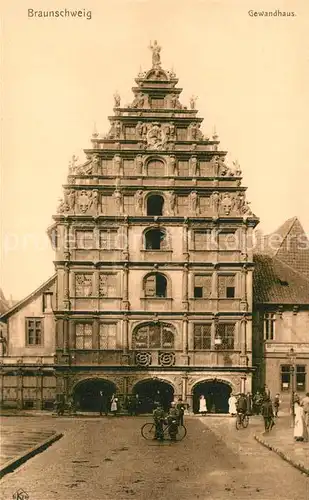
[(153, 259)]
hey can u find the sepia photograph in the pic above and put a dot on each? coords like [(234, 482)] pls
[(154, 270)]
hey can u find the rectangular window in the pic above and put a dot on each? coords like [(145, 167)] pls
[(128, 167), (108, 239), (300, 378), (228, 240), (226, 286), (128, 205), (183, 168), (107, 336), (105, 204), (108, 285), (202, 286), (204, 204), (107, 167), (182, 134), (182, 205), (34, 331), (130, 133), (157, 103), (83, 285), (202, 240), (84, 240), (202, 336), (226, 333), (269, 326), (83, 336), (285, 377), (205, 170)]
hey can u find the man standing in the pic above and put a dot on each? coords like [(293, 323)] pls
[(276, 404), (173, 421), (268, 414), (180, 406), (159, 417), (305, 405), (103, 404)]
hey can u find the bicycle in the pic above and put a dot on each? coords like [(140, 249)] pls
[(148, 431), (242, 420)]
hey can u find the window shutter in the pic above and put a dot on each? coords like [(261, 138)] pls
[(150, 286)]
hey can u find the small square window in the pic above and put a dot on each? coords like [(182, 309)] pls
[(230, 292), (198, 292)]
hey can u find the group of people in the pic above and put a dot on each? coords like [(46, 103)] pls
[(173, 418)]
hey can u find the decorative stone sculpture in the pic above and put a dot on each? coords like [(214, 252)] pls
[(118, 129), (70, 199), (171, 202), (193, 100), (117, 164), (72, 165), (117, 99), (84, 200), (138, 101), (193, 202), (94, 201), (173, 164), (237, 169), (118, 201), (215, 198), (95, 162), (175, 104), (156, 59), (139, 163), (239, 202), (194, 163), (62, 207), (139, 129), (138, 201), (156, 138), (226, 203)]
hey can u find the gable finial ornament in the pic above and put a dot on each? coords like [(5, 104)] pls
[(193, 100), (117, 99), (156, 58)]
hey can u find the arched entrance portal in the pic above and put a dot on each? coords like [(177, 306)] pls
[(152, 391), (216, 393), (87, 394)]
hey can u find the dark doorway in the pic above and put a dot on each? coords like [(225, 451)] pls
[(87, 394), (152, 391), (216, 394), (155, 204)]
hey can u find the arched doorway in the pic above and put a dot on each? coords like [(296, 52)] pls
[(87, 393), (217, 394), (151, 391)]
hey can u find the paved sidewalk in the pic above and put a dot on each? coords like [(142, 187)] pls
[(18, 445), (281, 441)]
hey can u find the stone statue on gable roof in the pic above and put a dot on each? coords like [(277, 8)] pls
[(117, 99), (156, 58)]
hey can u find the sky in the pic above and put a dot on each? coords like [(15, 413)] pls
[(250, 73)]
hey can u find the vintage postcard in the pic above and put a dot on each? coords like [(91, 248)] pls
[(154, 291)]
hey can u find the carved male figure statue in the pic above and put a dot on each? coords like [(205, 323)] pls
[(94, 200), (118, 129), (237, 168), (193, 101), (194, 166), (70, 199), (118, 200), (172, 201), (215, 200), (62, 207), (173, 165), (95, 164), (117, 164), (138, 129), (194, 201), (139, 201), (172, 130), (72, 165), (117, 99), (139, 162)]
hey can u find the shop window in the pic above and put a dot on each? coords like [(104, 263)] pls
[(300, 378), (285, 377)]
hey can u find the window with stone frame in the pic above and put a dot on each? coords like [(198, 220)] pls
[(109, 239), (226, 332), (202, 286), (202, 240), (83, 335), (154, 336), (34, 331), (130, 132), (83, 285), (108, 336), (202, 336), (269, 325), (227, 240), (205, 169), (300, 378), (128, 205), (128, 167), (156, 239), (226, 286), (183, 168), (156, 168), (204, 204), (107, 167), (182, 205), (285, 376), (155, 285), (105, 204), (157, 103), (84, 239), (108, 285), (182, 133)]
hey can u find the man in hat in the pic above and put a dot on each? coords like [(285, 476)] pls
[(173, 421), (159, 418)]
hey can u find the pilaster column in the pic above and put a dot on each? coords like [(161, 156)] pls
[(243, 342), (185, 340), (243, 242), (125, 287), (249, 241), (65, 334), (185, 283), (125, 232), (214, 284), (185, 240), (95, 333), (243, 289), (125, 340), (184, 388), (66, 292)]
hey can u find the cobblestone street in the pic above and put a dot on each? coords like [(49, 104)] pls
[(107, 458)]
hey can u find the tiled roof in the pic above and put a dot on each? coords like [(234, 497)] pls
[(276, 282)]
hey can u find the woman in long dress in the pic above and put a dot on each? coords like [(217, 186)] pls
[(232, 405), (203, 405), (114, 405), (300, 428)]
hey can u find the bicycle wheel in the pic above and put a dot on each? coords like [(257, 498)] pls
[(245, 421), (148, 431), (238, 422), (182, 432)]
